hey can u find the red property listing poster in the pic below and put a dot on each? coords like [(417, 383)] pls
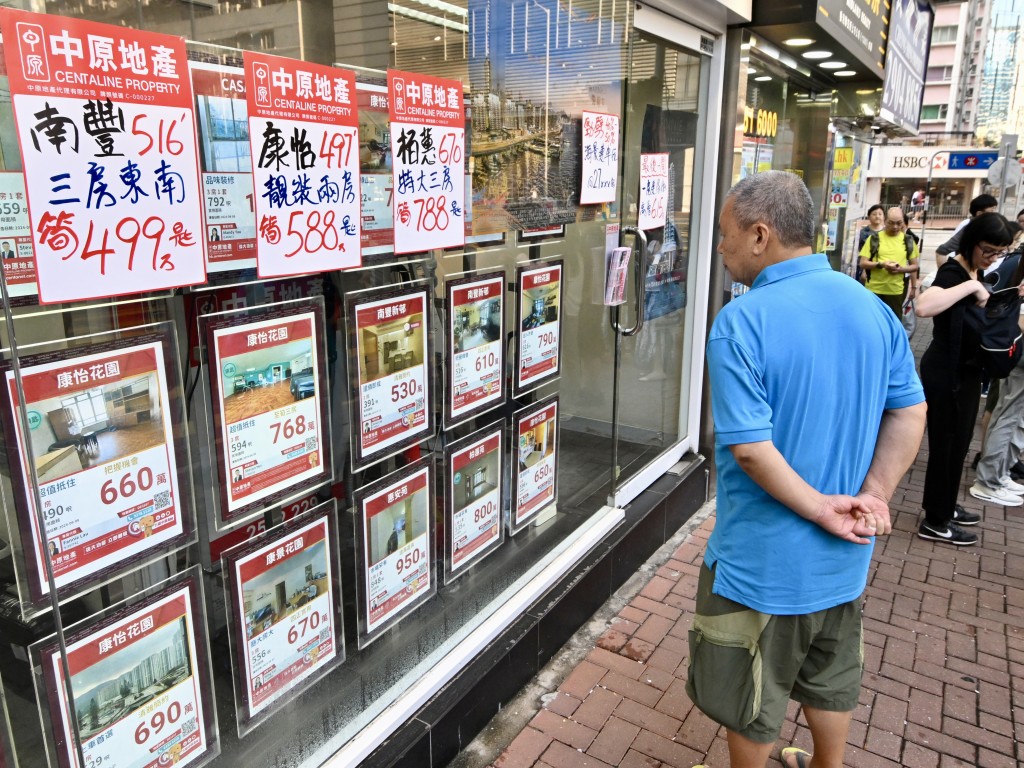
[(286, 613), (428, 145), (268, 408), (476, 345), (304, 138), (540, 322), (393, 378), (475, 477), (102, 440), (396, 546), (106, 124), (141, 688), (536, 469)]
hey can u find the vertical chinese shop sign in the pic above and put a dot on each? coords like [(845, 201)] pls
[(304, 138), (107, 132), (428, 147)]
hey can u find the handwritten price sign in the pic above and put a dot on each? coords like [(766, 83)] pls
[(600, 158), (304, 138), (107, 132), (653, 189), (428, 144)]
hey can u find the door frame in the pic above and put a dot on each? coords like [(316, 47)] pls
[(709, 42)]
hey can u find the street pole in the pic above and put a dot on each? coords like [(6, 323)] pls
[(928, 196)]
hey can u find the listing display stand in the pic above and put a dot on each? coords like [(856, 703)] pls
[(535, 435), (96, 425), (538, 325), (283, 589), (267, 414), (395, 563), (474, 491), (140, 682), (392, 384), (474, 346)]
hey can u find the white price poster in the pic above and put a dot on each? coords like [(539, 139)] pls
[(101, 431), (428, 147), (141, 688), (398, 572), (304, 137), (475, 475), (269, 407), (476, 345), (106, 125), (393, 396), (226, 165), (536, 468), (600, 161), (286, 609), (539, 320), (653, 190), (19, 263)]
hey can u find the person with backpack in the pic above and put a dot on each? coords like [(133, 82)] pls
[(890, 258), (951, 370)]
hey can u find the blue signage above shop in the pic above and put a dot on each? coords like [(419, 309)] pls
[(972, 160)]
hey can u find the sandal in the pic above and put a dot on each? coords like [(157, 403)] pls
[(803, 759)]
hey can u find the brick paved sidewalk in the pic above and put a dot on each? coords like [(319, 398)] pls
[(944, 660)]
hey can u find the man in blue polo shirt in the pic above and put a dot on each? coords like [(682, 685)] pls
[(818, 413)]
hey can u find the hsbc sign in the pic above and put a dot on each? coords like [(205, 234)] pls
[(915, 162)]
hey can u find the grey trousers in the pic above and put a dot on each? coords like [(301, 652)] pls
[(1004, 440)]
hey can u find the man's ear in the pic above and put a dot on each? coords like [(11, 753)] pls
[(761, 234)]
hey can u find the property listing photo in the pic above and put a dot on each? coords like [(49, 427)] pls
[(94, 426), (280, 591), (266, 379)]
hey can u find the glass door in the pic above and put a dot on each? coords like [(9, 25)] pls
[(664, 138)]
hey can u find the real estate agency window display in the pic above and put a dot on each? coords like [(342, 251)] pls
[(263, 391)]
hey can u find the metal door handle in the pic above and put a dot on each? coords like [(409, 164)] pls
[(640, 267)]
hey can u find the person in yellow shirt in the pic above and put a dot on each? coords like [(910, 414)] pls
[(889, 258)]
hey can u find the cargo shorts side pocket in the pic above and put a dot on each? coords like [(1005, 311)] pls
[(726, 675)]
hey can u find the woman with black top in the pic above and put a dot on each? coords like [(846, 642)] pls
[(951, 379)]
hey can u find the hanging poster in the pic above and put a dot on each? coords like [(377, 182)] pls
[(428, 145), (538, 321), (392, 396), (600, 158), (269, 407), (105, 122), (101, 428), (475, 477), (653, 190), (304, 137), (141, 686), (375, 179), (396, 535), (286, 609), (19, 262), (226, 166), (535, 477), (476, 345)]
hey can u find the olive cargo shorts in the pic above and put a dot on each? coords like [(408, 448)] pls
[(746, 665)]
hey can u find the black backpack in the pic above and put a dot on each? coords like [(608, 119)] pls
[(997, 326)]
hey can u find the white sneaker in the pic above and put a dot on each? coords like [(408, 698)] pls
[(1007, 483), (996, 495)]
